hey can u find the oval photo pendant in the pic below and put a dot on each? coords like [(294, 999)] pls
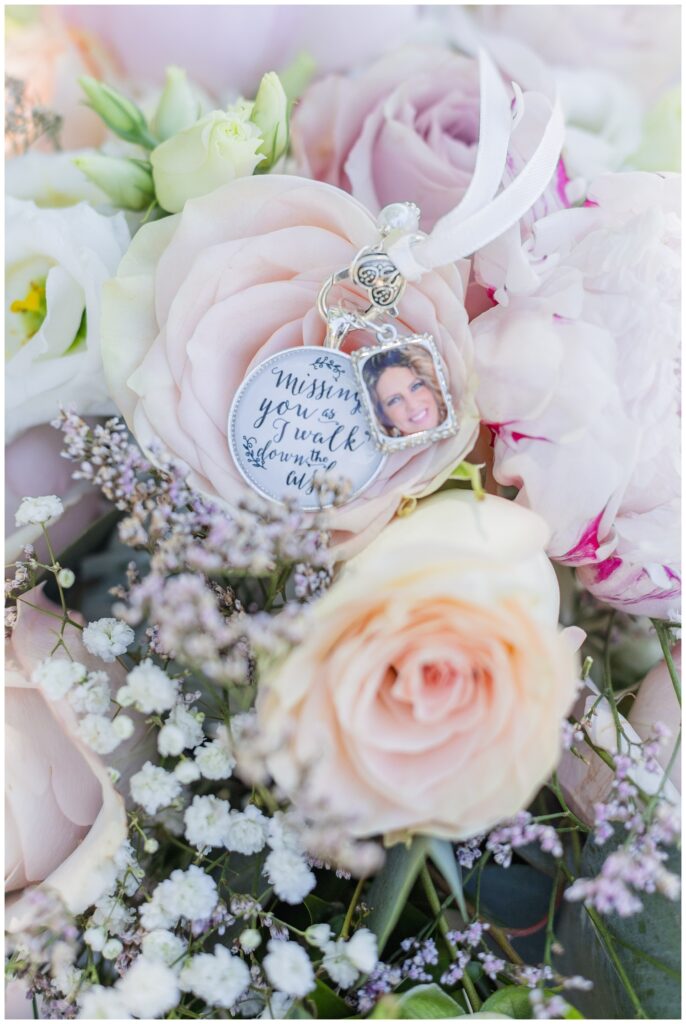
[(297, 417)]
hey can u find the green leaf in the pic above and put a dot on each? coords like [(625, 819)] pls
[(428, 1002), (298, 1012), (387, 1008), (471, 473), (329, 1005), (513, 1001), (392, 886), (646, 944), (443, 855)]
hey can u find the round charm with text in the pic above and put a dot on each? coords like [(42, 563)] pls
[(298, 417)]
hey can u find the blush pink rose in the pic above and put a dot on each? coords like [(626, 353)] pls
[(203, 297), (65, 820), (429, 692), (229, 46), (407, 129), (33, 463)]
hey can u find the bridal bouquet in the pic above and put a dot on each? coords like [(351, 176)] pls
[(342, 512)]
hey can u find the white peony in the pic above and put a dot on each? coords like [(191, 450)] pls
[(56, 262)]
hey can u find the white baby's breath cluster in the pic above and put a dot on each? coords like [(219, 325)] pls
[(89, 695), (38, 511)]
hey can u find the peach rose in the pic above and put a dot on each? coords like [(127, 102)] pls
[(47, 56), (429, 693), (64, 818), (203, 297)]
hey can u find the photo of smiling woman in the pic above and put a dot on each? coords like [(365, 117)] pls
[(405, 392)]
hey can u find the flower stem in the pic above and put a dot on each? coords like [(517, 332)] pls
[(437, 910), (662, 630), (345, 930)]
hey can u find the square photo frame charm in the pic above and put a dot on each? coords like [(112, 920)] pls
[(405, 393)]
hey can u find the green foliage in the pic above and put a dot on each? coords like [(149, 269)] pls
[(423, 1002), (391, 888), (648, 947)]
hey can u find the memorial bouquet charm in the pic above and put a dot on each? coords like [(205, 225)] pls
[(343, 505), (301, 413)]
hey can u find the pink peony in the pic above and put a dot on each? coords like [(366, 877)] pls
[(578, 379), (228, 47), (637, 42), (203, 297), (32, 464), (65, 820), (407, 129)]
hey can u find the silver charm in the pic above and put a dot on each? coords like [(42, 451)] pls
[(298, 421), (380, 278), (314, 414), (405, 392)]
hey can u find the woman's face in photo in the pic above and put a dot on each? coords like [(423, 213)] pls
[(408, 403)]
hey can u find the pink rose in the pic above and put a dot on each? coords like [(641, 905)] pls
[(406, 129), (32, 464), (203, 297), (65, 820), (579, 381), (230, 46), (429, 693)]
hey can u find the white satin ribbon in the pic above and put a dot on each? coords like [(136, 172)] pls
[(482, 216)]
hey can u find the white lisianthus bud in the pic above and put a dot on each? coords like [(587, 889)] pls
[(178, 107), (119, 113), (218, 148), (127, 182), (270, 114), (66, 578)]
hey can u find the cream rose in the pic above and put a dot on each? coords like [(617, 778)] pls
[(202, 298), (220, 147), (65, 820), (429, 693)]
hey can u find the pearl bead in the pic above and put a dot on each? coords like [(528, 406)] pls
[(398, 217)]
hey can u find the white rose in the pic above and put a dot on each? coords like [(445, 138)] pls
[(221, 146), (56, 263)]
